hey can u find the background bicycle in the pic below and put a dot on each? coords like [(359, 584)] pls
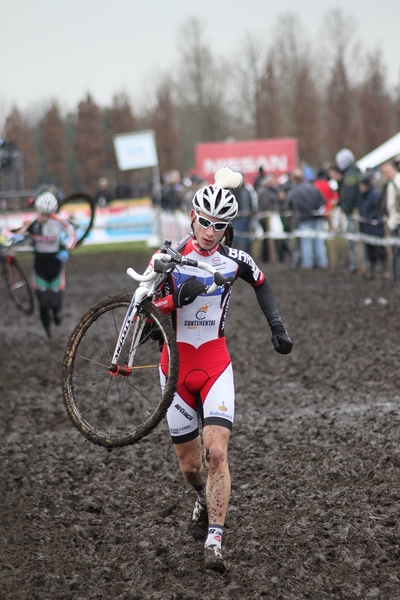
[(17, 284)]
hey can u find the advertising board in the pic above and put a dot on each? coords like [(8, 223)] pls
[(276, 155)]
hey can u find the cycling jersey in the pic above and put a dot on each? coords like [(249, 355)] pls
[(205, 367), (48, 237)]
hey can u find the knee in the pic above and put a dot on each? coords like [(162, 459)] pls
[(215, 456), (190, 466), (190, 470), (44, 298)]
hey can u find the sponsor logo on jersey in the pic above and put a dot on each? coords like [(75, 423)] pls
[(202, 312), (222, 407), (217, 413), (191, 324), (216, 260), (183, 412), (246, 258)]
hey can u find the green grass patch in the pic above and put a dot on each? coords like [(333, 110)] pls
[(119, 247)]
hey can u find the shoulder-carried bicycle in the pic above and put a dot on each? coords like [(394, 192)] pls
[(110, 378)]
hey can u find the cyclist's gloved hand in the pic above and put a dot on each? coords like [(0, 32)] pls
[(17, 238), (280, 339), (188, 292), (63, 255)]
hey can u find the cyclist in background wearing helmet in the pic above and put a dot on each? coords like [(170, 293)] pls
[(205, 388), (52, 239)]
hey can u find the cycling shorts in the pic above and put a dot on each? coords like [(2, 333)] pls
[(205, 390)]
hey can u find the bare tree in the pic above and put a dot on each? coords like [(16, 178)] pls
[(119, 118), (306, 116), (54, 148), (375, 104), (162, 119), (18, 132), (341, 110), (90, 144), (201, 90), (268, 111), (396, 107), (248, 69), (292, 53)]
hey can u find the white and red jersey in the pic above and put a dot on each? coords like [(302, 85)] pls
[(205, 369), (204, 319), (51, 236)]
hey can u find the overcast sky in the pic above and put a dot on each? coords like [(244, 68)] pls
[(62, 49)]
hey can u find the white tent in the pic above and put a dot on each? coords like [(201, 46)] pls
[(381, 154)]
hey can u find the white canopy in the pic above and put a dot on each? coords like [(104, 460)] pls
[(381, 154)]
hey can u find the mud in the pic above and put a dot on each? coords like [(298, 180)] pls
[(314, 457)]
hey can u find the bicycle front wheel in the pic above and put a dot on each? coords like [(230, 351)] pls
[(118, 406), (17, 285), (80, 210)]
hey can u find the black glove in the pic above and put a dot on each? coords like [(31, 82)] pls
[(188, 291), (280, 339)]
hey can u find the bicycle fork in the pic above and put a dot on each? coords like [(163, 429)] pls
[(115, 368)]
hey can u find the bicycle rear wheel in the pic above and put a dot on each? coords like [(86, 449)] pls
[(114, 410), (17, 285), (80, 210)]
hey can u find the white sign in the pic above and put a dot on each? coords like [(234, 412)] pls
[(135, 150), (381, 154)]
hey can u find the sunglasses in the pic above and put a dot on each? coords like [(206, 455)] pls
[(206, 223)]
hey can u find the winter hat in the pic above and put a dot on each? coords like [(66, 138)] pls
[(344, 158)]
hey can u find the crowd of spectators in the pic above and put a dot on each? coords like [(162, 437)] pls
[(134, 187), (337, 197)]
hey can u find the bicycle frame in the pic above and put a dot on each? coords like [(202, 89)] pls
[(150, 282)]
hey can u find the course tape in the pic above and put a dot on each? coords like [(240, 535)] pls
[(327, 235)]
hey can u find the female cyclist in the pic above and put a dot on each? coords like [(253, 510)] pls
[(52, 239), (205, 389)]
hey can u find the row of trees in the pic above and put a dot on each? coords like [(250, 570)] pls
[(329, 95)]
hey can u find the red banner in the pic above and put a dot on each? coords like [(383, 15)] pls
[(275, 155)]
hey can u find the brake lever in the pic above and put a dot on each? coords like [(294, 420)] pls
[(163, 267), (224, 281)]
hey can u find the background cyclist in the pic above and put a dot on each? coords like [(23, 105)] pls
[(52, 239), (205, 389)]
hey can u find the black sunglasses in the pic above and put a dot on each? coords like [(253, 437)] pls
[(206, 223)]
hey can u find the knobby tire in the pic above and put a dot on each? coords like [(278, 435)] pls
[(18, 287), (111, 410)]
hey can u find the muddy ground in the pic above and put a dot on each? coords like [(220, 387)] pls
[(314, 454)]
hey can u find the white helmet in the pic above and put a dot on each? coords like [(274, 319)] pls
[(217, 202), (46, 202), (344, 158)]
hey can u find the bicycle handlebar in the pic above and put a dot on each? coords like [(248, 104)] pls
[(219, 279)]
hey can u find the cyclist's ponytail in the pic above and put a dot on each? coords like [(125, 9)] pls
[(229, 233)]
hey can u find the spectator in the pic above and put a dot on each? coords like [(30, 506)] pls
[(308, 204), (282, 245), (331, 196), (172, 192), (392, 177), (348, 197), (247, 203), (260, 177), (267, 192), (103, 195), (123, 190), (371, 223)]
